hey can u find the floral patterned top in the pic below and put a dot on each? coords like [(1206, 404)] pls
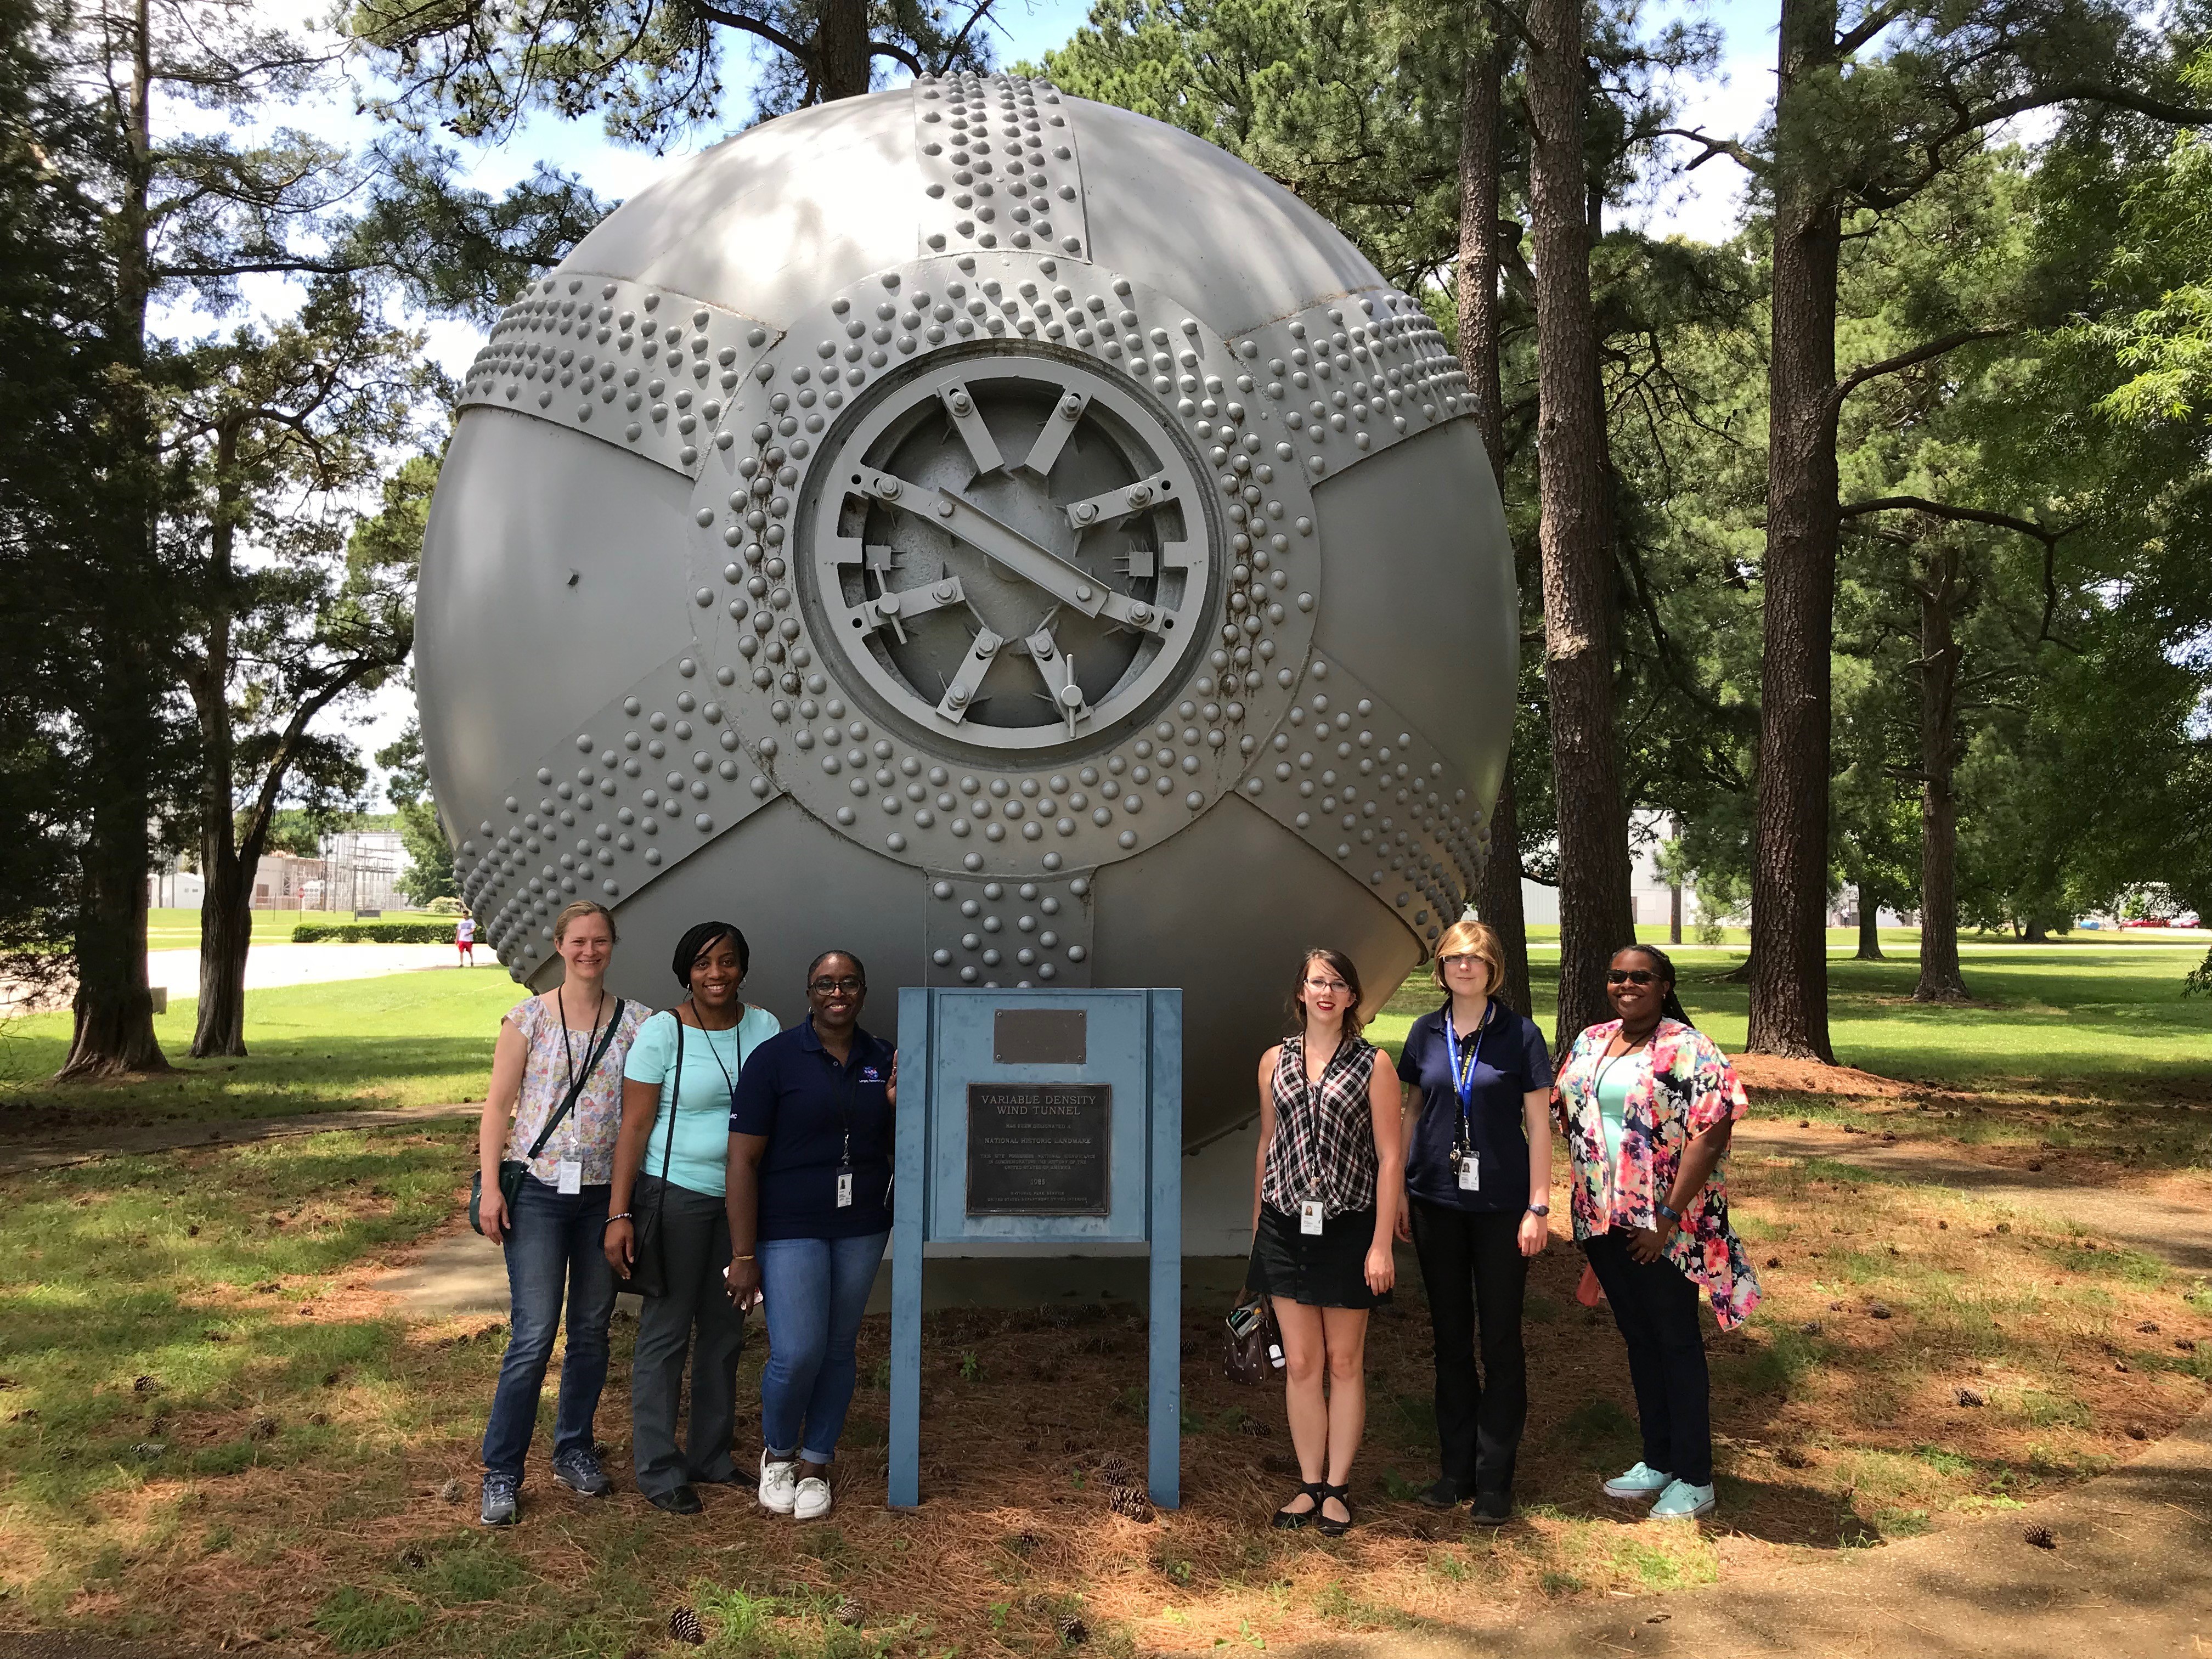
[(587, 1134), (1684, 1085)]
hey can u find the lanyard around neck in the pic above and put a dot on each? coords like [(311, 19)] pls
[(1464, 1076)]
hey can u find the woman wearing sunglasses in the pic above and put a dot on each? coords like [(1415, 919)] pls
[(809, 1183), (1326, 1187), (1647, 1102), (1478, 1083), (677, 1087)]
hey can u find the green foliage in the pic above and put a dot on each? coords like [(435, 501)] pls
[(372, 932)]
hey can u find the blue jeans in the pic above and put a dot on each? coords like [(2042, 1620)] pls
[(815, 1291), (553, 1248)]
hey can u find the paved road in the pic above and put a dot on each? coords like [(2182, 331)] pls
[(268, 966)]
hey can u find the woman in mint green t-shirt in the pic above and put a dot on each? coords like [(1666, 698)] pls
[(672, 1156)]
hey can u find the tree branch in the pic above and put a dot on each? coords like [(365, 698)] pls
[(1727, 147), (2027, 527), (893, 49), (1919, 354), (767, 32), (2094, 92)]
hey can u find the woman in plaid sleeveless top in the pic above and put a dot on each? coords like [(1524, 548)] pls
[(1325, 1193)]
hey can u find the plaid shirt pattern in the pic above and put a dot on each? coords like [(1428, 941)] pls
[(1324, 1141)]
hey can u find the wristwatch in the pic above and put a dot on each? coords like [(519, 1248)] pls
[(1539, 1209)]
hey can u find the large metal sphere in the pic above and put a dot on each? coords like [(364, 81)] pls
[(989, 531)]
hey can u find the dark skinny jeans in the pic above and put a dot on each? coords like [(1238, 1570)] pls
[(1475, 1276), (554, 1250), (1655, 1306)]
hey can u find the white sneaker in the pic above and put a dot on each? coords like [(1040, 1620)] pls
[(811, 1502), (779, 1484)]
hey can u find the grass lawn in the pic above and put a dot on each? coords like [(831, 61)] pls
[(213, 1431), (398, 1039), (179, 930)]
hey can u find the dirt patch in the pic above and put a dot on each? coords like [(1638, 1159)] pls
[(1771, 1074)]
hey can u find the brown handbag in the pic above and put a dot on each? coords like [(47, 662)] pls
[(1255, 1351)]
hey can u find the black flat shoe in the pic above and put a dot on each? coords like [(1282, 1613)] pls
[(1327, 1527), (1491, 1508), (1290, 1520), (1446, 1494), (681, 1501)]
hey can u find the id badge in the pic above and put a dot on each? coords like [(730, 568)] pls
[(1470, 1173), (1310, 1216), (844, 1189), (569, 1174)]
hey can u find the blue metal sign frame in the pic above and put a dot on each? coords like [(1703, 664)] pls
[(1135, 1044)]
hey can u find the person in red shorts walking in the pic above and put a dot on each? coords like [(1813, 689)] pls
[(464, 940)]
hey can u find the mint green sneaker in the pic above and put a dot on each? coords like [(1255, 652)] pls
[(1640, 1485), (1683, 1501)]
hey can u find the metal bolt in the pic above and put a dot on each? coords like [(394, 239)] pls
[(961, 402), (1083, 591), (1139, 494), (888, 604), (956, 696), (1084, 513), (1071, 408), (945, 592), (1141, 614), (1071, 695), (888, 489), (944, 509)]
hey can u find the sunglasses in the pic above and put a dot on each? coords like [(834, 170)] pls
[(823, 987), (1629, 976)]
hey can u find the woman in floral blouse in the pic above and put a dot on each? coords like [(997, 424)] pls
[(551, 1233), (1647, 1102)]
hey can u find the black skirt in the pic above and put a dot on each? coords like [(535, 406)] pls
[(1326, 1269)]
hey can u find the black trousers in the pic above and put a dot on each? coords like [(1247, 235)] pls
[(1474, 1273), (1655, 1306)]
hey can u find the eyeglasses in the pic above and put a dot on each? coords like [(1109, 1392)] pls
[(823, 987), (1327, 987), (1629, 976), (1464, 960)]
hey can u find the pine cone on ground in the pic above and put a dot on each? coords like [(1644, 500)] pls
[(1133, 1502), (848, 1612), (2041, 1537), (1116, 1472), (683, 1626), (1070, 1631)]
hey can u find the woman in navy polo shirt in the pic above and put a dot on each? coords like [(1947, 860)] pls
[(810, 1186), (1479, 1175)]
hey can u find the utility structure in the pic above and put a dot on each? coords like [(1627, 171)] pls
[(987, 530)]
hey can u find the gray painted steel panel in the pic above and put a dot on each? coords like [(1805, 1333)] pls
[(930, 510)]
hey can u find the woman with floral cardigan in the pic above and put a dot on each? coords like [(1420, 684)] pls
[(1647, 1102)]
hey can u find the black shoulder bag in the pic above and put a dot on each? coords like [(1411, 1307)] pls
[(648, 1263), (513, 1169)]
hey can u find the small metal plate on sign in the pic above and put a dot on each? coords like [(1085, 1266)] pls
[(1040, 1148), (1037, 1037)]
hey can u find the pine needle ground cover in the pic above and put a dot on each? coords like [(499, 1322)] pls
[(215, 1428)]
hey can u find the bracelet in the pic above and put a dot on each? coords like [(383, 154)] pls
[(1670, 1212), (741, 1258), (611, 1220)]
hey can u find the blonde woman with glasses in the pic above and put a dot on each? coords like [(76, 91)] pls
[(1325, 1191), (1478, 1138)]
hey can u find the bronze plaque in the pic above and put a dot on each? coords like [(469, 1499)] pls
[(1040, 1148), (1037, 1037)]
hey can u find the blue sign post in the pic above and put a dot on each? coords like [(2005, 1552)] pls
[(1045, 1117)]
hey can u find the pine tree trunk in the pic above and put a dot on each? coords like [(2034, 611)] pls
[(1941, 980), (1870, 925), (1790, 851), (1594, 872), (225, 911), (1497, 898), (841, 49), (113, 1030)]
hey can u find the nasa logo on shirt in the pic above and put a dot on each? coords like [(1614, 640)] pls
[(870, 1074)]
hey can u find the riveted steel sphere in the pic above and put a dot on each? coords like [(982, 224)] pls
[(987, 530)]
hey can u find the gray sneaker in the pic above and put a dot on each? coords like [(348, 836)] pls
[(499, 1492), (579, 1472)]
